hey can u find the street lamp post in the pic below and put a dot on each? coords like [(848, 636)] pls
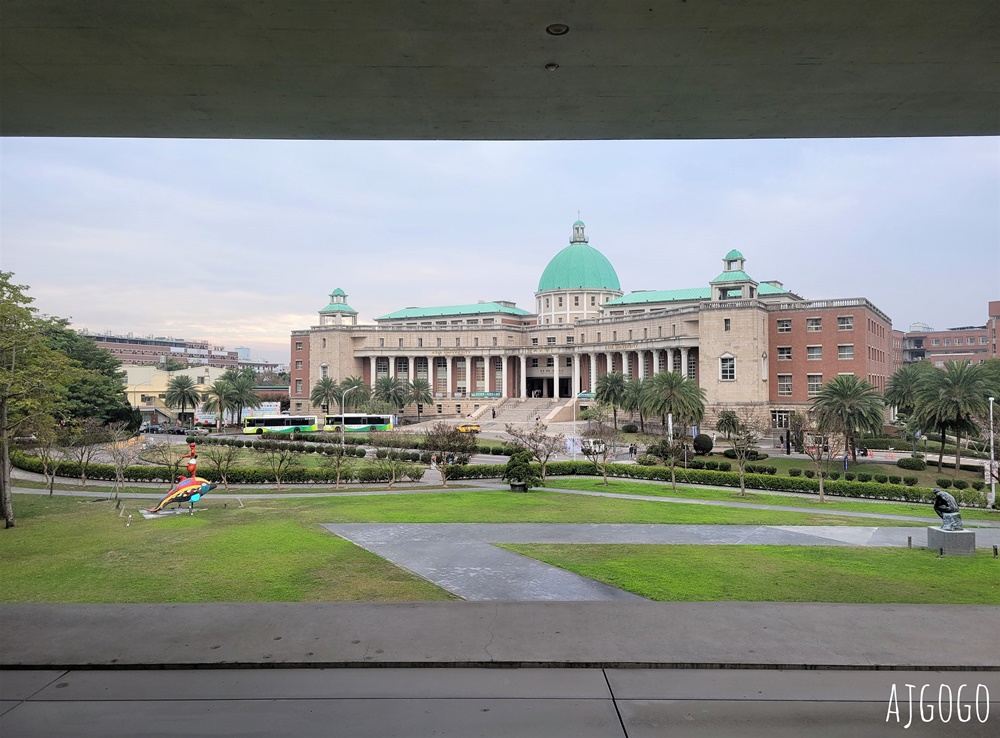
[(993, 478), (343, 399)]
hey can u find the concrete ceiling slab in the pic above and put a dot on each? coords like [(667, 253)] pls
[(476, 69)]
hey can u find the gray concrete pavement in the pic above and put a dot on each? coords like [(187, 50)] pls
[(465, 702)]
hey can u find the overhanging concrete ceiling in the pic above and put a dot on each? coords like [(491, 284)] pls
[(476, 69)]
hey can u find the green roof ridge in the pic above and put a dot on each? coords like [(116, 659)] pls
[(479, 308)]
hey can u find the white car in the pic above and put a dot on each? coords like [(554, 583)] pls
[(198, 432)]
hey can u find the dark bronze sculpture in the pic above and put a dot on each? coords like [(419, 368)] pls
[(946, 506)]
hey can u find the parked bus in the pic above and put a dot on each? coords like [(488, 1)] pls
[(280, 424), (359, 422)]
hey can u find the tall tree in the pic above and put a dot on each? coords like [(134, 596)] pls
[(540, 444), (728, 422), (901, 390), (419, 392), (326, 394), (182, 392), (356, 390), (244, 395), (32, 376), (954, 396), (392, 391), (611, 392), (219, 398), (632, 402), (849, 406), (670, 393)]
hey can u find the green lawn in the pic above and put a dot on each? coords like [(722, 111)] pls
[(66, 549), (629, 487), (780, 573)]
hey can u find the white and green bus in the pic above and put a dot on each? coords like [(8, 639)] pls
[(359, 422), (280, 424)]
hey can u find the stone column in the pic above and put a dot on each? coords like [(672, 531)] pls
[(470, 375), (555, 375), (411, 368), (450, 391), (642, 363), (374, 362), (503, 376), (524, 375), (576, 376), (670, 360), (625, 368), (610, 361), (684, 361), (593, 372)]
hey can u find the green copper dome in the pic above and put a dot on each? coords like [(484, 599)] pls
[(734, 254), (577, 266)]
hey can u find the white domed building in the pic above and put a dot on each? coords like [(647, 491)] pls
[(745, 342)]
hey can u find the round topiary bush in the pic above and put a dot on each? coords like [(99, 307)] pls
[(646, 460), (910, 481), (943, 483), (881, 478), (960, 484), (360, 452), (863, 477), (911, 464), (850, 476), (894, 479), (630, 428), (725, 466), (810, 473), (978, 485), (835, 475), (703, 444), (712, 465), (696, 464), (795, 472)]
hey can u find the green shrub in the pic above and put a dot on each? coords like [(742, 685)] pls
[(713, 465), (943, 483), (895, 479), (880, 478), (696, 464), (360, 452), (911, 464), (725, 466), (496, 450), (835, 475), (810, 473), (910, 481), (864, 477), (630, 428), (960, 484), (646, 460), (795, 472), (978, 485), (703, 444), (850, 476)]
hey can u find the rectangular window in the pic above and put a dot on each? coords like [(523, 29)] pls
[(970, 341), (814, 353), (785, 325), (780, 418), (598, 336), (381, 343), (576, 300), (727, 368), (439, 343), (458, 341), (298, 364), (549, 362), (614, 335), (324, 371), (630, 335), (983, 339), (439, 409), (935, 342), (569, 339), (534, 341), (784, 353), (592, 303), (582, 340), (845, 323), (846, 351), (551, 340), (814, 383), (298, 386), (947, 342), (560, 302), (534, 362), (494, 340), (401, 343), (475, 341), (727, 324), (298, 345), (814, 325), (569, 361), (784, 385), (298, 406)]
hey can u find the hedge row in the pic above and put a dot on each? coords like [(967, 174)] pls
[(933, 445)]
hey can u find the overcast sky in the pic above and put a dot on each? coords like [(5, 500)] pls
[(240, 242)]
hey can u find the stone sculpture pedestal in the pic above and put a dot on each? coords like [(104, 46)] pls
[(954, 542)]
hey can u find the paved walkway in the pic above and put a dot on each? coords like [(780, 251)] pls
[(460, 557)]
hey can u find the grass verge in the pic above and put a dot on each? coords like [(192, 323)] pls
[(671, 573)]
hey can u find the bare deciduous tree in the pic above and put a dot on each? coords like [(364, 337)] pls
[(341, 461), (448, 443), (123, 447), (279, 459), (750, 428), (541, 444), (82, 443), (222, 459)]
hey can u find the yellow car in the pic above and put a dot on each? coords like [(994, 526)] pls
[(469, 428)]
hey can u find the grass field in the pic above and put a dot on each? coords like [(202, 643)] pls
[(628, 487), (69, 550), (780, 573)]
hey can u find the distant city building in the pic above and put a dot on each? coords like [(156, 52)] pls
[(743, 341), (155, 350), (975, 343)]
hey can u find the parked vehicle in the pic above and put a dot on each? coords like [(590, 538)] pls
[(153, 429), (469, 428), (198, 431)]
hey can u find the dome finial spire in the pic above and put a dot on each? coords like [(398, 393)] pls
[(578, 235)]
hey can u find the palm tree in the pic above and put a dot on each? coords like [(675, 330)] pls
[(391, 390), (632, 401), (181, 392), (671, 393), (419, 392), (849, 406), (244, 395), (218, 399), (953, 397), (901, 390), (611, 391), (356, 390), (326, 393), (728, 422)]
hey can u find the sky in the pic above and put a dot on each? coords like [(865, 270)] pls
[(241, 242)]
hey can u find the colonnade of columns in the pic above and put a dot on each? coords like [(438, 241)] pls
[(585, 368)]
